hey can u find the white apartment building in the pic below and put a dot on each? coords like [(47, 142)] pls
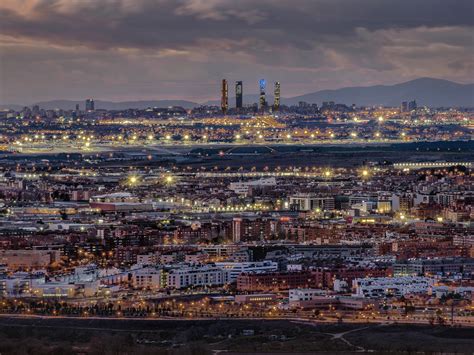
[(206, 275), (147, 278), (236, 268), (380, 287)]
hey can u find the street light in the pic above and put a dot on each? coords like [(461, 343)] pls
[(133, 180), (365, 173)]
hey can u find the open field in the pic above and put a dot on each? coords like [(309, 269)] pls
[(260, 156), (174, 337)]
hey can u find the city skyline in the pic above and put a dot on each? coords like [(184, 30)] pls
[(313, 46), (220, 176)]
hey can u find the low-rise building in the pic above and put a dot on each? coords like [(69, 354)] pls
[(237, 268), (206, 275), (274, 281), (380, 287)]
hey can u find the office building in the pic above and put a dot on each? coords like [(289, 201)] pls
[(404, 106), (310, 202), (262, 100), (276, 104), (238, 95), (408, 106), (224, 96), (90, 105)]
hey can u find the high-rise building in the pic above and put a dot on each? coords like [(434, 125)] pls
[(90, 105), (276, 104), (408, 106), (238, 94), (76, 112), (35, 110), (224, 96), (262, 101)]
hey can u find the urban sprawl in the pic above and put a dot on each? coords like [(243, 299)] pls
[(329, 212)]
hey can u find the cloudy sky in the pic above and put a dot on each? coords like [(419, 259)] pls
[(173, 49)]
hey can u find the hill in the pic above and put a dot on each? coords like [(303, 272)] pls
[(426, 91)]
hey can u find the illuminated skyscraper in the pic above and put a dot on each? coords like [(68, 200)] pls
[(90, 105), (238, 94), (262, 101), (276, 104), (224, 96)]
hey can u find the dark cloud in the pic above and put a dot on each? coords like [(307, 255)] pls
[(122, 49)]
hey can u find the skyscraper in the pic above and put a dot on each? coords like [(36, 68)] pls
[(224, 96), (404, 106), (90, 105), (276, 104), (262, 101), (408, 106), (76, 112), (238, 94)]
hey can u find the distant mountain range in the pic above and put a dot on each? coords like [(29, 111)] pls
[(426, 91)]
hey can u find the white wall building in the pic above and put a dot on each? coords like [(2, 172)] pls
[(242, 187), (235, 268), (147, 278), (310, 202), (379, 287), (206, 275), (304, 294)]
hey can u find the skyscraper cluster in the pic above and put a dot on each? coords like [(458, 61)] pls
[(239, 95)]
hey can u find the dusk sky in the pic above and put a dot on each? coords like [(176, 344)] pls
[(181, 49)]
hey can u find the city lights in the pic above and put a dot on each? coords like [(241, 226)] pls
[(246, 178)]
